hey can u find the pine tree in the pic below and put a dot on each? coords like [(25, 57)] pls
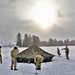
[(30, 40), (26, 41), (36, 40), (19, 41)]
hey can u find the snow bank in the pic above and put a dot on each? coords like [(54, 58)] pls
[(59, 65)]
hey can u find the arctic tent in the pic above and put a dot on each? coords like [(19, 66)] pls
[(27, 56)]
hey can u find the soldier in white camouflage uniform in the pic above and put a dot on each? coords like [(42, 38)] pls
[(14, 53), (38, 59), (66, 52)]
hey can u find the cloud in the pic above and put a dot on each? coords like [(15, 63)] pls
[(60, 14), (11, 24)]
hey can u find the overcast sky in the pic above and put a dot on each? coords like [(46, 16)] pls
[(12, 20)]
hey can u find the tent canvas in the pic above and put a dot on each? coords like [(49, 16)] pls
[(27, 56)]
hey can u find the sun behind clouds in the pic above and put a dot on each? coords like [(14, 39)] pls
[(43, 14)]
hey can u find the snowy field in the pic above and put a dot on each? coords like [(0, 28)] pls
[(59, 65)]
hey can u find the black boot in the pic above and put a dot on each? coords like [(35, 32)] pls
[(1, 62), (11, 68), (15, 69)]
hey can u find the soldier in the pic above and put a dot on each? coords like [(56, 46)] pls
[(0, 55), (14, 53), (38, 59), (58, 52), (66, 52)]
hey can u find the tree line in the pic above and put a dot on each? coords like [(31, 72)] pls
[(33, 39)]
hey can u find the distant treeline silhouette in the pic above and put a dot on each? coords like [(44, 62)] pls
[(33, 39)]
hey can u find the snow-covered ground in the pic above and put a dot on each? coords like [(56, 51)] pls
[(59, 65)]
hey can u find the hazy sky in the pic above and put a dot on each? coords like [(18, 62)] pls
[(14, 18)]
